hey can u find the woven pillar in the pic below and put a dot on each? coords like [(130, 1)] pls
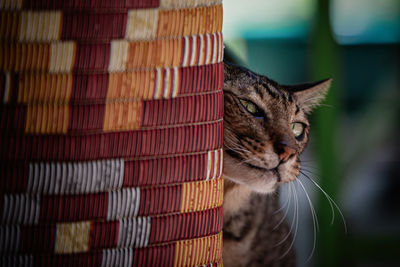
[(111, 132)]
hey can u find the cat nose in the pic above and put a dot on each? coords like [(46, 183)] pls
[(285, 151)]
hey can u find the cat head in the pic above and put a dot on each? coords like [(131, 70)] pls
[(265, 127)]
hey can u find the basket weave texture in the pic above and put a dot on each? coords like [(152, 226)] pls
[(111, 132)]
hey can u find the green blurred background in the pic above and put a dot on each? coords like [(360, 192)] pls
[(354, 152)]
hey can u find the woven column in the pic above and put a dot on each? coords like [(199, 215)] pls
[(111, 132)]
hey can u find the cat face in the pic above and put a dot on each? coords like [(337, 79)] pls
[(265, 128)]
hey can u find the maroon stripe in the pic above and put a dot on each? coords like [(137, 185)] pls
[(90, 4), (12, 118), (92, 57), (38, 238), (160, 200), (84, 118), (167, 141), (78, 259), (90, 87), (198, 108), (158, 258), (169, 190), (61, 208), (186, 226), (194, 79), (155, 256), (103, 235), (91, 26)]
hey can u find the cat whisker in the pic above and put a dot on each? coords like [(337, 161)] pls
[(297, 214), (310, 168), (287, 204), (296, 219), (287, 201), (307, 161), (330, 200), (238, 149), (247, 139), (232, 145), (315, 168), (325, 105), (313, 212), (244, 162), (315, 220), (292, 222), (309, 164)]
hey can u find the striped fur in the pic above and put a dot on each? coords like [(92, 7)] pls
[(261, 152)]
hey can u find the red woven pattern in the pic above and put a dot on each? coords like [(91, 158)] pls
[(95, 57), (111, 131), (94, 88), (109, 234), (113, 145), (21, 177), (89, 118), (71, 208), (93, 26), (154, 256), (97, 24), (89, 4)]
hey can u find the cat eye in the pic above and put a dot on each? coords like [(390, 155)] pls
[(298, 130), (252, 108)]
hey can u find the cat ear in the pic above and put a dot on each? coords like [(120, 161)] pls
[(310, 95)]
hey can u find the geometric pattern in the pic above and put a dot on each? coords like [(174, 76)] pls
[(125, 203), (113, 56), (133, 232), (108, 116), (48, 178), (90, 146), (204, 251), (158, 83), (111, 133)]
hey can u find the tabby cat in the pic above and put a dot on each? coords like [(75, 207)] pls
[(265, 130)]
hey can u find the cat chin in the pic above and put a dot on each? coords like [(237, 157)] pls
[(259, 185), (258, 180), (289, 171)]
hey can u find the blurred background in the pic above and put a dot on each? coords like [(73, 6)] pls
[(354, 152)]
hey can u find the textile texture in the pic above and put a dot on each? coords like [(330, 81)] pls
[(111, 133)]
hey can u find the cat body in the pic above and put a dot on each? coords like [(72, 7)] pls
[(254, 234), (265, 131)]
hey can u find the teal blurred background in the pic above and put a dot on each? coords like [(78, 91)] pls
[(354, 152)]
